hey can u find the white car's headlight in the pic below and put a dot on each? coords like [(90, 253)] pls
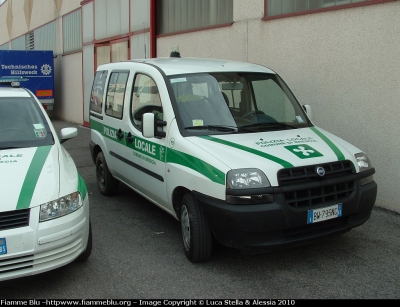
[(60, 207), (251, 181), (364, 164)]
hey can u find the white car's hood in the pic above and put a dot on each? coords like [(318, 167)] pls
[(272, 151), (29, 177)]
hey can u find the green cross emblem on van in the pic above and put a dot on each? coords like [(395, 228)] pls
[(304, 151)]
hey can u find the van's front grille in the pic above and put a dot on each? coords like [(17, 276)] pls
[(14, 219), (305, 188)]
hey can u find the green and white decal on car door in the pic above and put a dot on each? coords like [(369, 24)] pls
[(207, 170), (162, 153)]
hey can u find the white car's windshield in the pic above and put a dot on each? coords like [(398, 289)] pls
[(229, 102), (22, 124)]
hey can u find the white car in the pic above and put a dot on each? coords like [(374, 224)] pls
[(44, 206)]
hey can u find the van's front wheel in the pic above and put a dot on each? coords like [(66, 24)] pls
[(107, 184), (196, 233)]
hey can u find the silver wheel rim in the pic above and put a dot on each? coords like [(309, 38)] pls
[(101, 174), (185, 225)]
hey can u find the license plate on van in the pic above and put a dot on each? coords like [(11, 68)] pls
[(3, 246), (323, 214)]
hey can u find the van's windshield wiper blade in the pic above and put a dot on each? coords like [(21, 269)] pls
[(272, 125), (213, 127)]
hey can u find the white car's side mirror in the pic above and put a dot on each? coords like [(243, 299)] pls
[(68, 133)]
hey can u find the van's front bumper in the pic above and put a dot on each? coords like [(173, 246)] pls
[(260, 227)]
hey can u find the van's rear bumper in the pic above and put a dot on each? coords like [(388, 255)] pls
[(253, 228)]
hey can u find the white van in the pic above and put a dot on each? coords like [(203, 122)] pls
[(226, 149)]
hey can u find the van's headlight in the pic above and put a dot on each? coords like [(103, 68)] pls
[(247, 179), (364, 164), (60, 207)]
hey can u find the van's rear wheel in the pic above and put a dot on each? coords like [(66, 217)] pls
[(196, 233), (107, 184)]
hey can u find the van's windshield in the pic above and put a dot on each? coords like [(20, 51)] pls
[(235, 102)]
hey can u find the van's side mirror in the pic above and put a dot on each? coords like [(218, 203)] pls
[(307, 108), (150, 124)]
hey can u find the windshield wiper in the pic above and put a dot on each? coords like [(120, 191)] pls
[(213, 127), (272, 125)]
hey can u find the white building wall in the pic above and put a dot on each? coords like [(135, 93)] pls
[(43, 11), (69, 6), (71, 82), (3, 25), (19, 25)]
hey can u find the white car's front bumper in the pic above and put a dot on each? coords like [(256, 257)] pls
[(40, 247)]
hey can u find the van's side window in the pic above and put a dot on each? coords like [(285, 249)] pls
[(96, 96), (116, 93), (145, 99)]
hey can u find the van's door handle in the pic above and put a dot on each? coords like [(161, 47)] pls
[(129, 138), (120, 134)]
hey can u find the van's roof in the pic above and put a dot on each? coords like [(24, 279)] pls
[(175, 66)]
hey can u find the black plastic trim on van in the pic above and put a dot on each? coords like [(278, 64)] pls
[(141, 168), (96, 115)]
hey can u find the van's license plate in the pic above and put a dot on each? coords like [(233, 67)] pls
[(323, 214), (3, 246)]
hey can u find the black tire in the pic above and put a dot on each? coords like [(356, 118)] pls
[(107, 184), (85, 255), (196, 233)]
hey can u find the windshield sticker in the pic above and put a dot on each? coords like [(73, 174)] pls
[(299, 119), (178, 80), (40, 133), (38, 126), (303, 151), (197, 122), (288, 141)]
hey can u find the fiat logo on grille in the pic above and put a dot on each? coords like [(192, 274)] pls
[(320, 171)]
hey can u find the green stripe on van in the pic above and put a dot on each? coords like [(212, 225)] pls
[(284, 163), (32, 176), (209, 171), (335, 149), (172, 156)]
